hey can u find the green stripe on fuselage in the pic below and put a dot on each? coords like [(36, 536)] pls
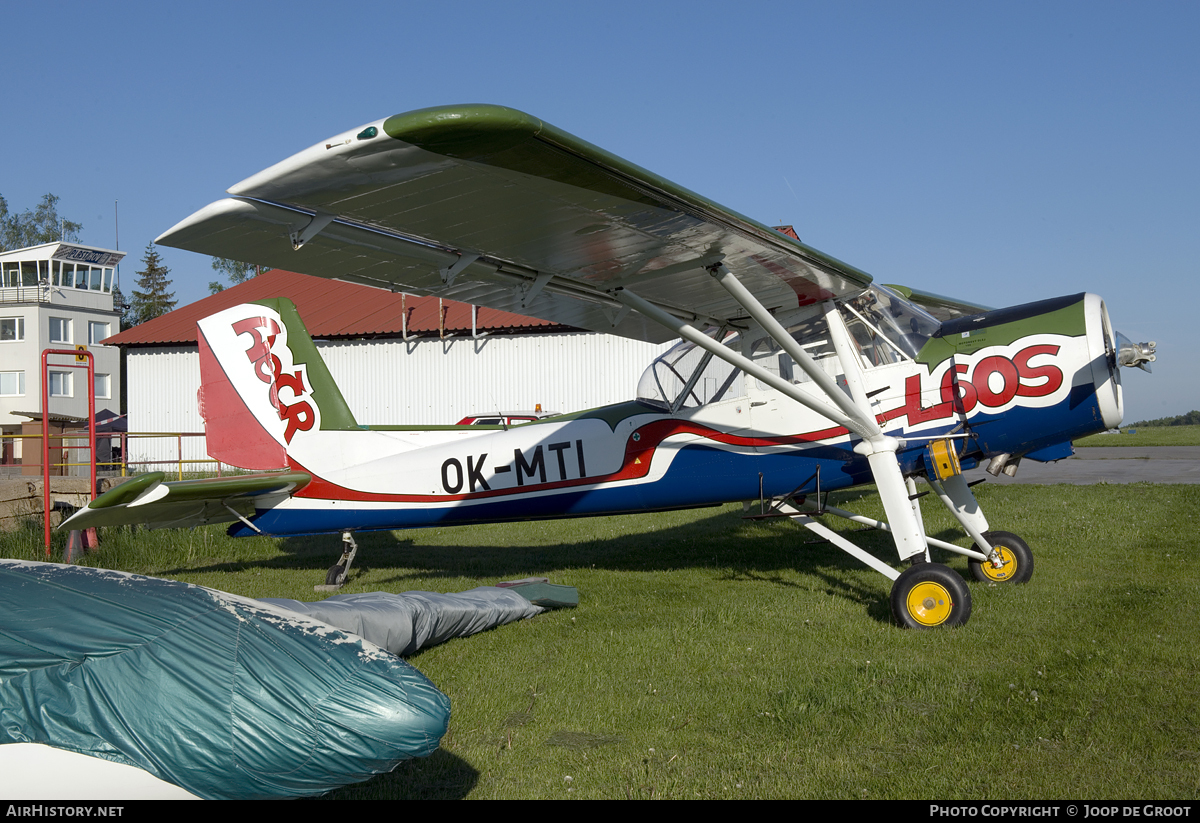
[(959, 337)]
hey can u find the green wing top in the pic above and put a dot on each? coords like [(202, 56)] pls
[(943, 308), (150, 501), (491, 206)]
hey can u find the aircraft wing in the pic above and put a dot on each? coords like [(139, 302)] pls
[(941, 307), (150, 501), (490, 206)]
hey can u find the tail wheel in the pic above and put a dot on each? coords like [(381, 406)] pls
[(1015, 555), (339, 571), (929, 595), (336, 575)]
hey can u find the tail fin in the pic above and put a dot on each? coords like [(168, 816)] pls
[(263, 385)]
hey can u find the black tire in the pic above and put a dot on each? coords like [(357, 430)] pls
[(930, 595), (336, 575), (1017, 557)]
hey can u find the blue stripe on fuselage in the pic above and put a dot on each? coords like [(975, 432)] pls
[(701, 475)]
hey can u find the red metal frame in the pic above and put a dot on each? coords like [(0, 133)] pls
[(91, 393)]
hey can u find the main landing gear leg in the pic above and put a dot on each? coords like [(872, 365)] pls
[(338, 572), (855, 412), (915, 500)]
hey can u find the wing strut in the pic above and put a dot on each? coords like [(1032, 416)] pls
[(312, 229), (880, 450), (854, 413), (866, 426)]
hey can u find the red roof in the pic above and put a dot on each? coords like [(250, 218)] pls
[(331, 309)]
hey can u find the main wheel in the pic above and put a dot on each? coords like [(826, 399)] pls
[(1014, 554), (928, 595)]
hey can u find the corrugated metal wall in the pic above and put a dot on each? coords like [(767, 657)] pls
[(161, 386), (434, 381), (426, 381)]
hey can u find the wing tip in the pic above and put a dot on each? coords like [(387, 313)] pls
[(224, 206)]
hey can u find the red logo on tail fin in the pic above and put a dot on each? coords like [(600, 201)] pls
[(268, 368)]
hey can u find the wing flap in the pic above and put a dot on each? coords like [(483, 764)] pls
[(148, 500)]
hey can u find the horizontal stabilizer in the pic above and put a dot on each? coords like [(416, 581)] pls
[(148, 500)]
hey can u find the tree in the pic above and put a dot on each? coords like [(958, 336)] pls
[(126, 309), (32, 228), (235, 270), (151, 298), (1192, 418)]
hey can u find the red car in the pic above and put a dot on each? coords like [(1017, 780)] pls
[(510, 418)]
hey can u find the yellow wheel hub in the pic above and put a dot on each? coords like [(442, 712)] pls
[(1006, 572), (929, 603)]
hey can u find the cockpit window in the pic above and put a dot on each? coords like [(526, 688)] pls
[(688, 376), (812, 334), (884, 327)]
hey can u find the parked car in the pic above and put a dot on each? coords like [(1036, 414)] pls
[(505, 418)]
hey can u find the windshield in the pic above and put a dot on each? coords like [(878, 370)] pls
[(886, 327)]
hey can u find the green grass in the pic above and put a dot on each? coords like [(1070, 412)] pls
[(713, 657), (1146, 436)]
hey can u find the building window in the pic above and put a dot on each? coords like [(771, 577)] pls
[(60, 384), (12, 329), (12, 383), (60, 330), (102, 387), (96, 332)]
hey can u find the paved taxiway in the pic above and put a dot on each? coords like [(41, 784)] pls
[(1109, 464)]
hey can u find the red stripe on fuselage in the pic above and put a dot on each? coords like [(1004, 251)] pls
[(635, 465)]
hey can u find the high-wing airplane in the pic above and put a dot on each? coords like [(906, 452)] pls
[(796, 374)]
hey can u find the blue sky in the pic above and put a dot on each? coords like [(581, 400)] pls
[(1001, 152)]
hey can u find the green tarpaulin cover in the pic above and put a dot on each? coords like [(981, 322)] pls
[(224, 696)]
